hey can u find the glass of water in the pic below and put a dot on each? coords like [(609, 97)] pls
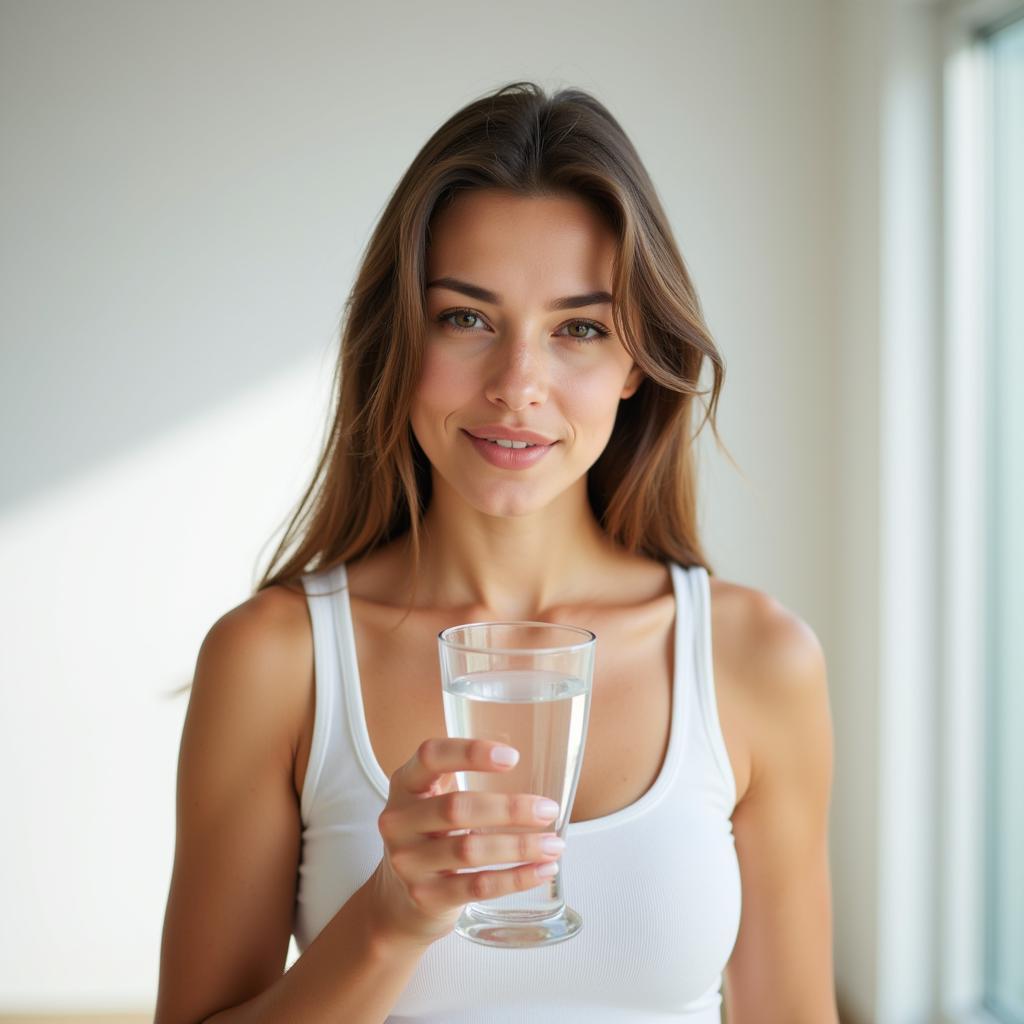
[(526, 684)]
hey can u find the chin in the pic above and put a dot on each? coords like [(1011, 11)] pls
[(510, 508), (506, 501)]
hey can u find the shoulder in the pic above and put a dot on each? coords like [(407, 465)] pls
[(272, 624), (256, 661), (776, 668), (770, 649)]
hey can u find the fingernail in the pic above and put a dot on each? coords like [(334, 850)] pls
[(546, 870), (545, 809), (504, 755), (552, 844)]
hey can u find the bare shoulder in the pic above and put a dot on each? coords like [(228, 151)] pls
[(759, 627), (267, 641), (770, 674), (272, 624), (786, 678), (767, 645)]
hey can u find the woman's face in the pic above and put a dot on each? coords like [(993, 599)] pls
[(516, 362)]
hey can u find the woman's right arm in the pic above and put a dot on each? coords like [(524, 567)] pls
[(232, 895), (231, 903), (347, 973)]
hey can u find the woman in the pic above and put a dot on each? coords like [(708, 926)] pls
[(523, 283)]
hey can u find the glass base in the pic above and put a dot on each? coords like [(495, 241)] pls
[(507, 932)]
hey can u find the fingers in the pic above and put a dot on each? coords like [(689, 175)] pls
[(465, 809), (442, 891), (440, 756), (431, 834), (453, 853)]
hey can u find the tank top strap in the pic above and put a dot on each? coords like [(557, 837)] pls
[(704, 694), (322, 593)]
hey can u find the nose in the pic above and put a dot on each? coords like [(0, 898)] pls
[(519, 376)]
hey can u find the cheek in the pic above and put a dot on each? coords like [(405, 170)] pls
[(591, 394), (444, 383)]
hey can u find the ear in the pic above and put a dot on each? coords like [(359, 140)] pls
[(633, 381)]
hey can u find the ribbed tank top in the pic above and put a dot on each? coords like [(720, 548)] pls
[(657, 883)]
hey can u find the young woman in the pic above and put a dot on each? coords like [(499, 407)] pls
[(523, 283)]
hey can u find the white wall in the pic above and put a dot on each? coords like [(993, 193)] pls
[(186, 189), (853, 661)]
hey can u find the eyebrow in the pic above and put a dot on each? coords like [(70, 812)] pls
[(484, 295)]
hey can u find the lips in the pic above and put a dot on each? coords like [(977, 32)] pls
[(497, 430), (509, 458), (508, 442)]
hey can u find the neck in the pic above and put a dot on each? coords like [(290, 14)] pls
[(512, 567)]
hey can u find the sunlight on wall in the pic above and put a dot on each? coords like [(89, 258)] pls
[(113, 580)]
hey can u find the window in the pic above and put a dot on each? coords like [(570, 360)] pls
[(980, 760), (1004, 517)]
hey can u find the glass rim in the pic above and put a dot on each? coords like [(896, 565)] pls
[(557, 649)]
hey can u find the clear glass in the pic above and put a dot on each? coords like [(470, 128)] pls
[(1004, 962), (527, 684)]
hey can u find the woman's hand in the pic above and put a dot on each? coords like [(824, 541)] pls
[(417, 895)]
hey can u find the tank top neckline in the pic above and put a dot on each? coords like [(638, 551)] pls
[(682, 702)]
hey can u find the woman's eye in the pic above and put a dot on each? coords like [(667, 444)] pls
[(446, 317), (468, 314), (599, 332)]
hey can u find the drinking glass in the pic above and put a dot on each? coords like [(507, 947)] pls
[(526, 684)]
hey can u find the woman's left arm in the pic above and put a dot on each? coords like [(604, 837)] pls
[(781, 971)]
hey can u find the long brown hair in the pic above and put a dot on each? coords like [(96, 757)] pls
[(372, 481)]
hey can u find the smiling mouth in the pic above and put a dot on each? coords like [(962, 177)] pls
[(502, 443), (508, 443)]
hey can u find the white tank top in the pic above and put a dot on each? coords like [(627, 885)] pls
[(657, 883)]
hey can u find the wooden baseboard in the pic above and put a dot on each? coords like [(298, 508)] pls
[(845, 1017), (76, 1018)]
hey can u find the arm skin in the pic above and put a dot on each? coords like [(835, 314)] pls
[(781, 969), (233, 886)]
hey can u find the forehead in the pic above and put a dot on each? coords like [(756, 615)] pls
[(501, 240)]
